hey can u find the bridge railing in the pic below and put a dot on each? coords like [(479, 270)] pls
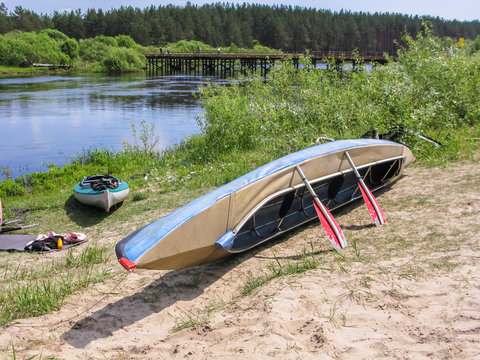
[(246, 54)]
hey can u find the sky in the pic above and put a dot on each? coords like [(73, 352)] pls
[(463, 10)]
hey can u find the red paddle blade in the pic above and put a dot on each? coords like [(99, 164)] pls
[(374, 209), (338, 242)]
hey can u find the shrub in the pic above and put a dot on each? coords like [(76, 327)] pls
[(40, 48), (54, 34), (122, 60), (475, 45), (92, 50), (70, 47), (125, 41), (192, 46), (107, 40), (9, 188)]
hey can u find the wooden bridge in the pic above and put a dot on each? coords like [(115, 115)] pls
[(222, 64)]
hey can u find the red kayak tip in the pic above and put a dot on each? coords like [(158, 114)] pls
[(127, 264)]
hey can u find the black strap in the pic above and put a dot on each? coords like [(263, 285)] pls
[(48, 244), (101, 182)]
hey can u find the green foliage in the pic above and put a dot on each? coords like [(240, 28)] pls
[(123, 60), (184, 46), (104, 54), (260, 49), (70, 47), (9, 187), (125, 41), (192, 46), (475, 45), (36, 48), (92, 50), (144, 142), (233, 48), (107, 40), (293, 29), (424, 91), (54, 34)]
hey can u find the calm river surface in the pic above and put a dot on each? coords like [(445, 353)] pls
[(52, 118)]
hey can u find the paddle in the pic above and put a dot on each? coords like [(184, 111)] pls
[(11, 222), (372, 205), (12, 228), (330, 225)]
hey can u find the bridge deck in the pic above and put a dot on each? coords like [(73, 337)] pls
[(218, 62)]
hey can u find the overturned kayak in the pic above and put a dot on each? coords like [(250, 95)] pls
[(263, 204), (103, 191)]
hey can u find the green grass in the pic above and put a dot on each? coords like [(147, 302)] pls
[(307, 261), (186, 321), (189, 319), (31, 291), (15, 70)]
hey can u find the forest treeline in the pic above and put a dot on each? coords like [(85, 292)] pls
[(291, 29)]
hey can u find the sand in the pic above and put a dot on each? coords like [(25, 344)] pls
[(407, 290)]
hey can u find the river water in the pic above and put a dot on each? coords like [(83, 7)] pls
[(50, 119)]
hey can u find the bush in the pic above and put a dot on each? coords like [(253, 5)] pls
[(125, 41), (123, 60), (103, 54), (10, 188), (36, 48), (54, 34), (192, 46), (107, 40), (475, 45), (70, 47), (92, 50)]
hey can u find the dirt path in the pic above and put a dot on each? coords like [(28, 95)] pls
[(407, 290)]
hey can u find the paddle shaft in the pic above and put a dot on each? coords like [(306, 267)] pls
[(365, 188), (319, 204), (5, 229), (11, 222)]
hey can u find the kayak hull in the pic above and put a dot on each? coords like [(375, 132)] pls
[(104, 199), (263, 204)]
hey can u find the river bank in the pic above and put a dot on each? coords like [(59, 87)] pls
[(408, 289), (13, 71), (261, 120), (92, 111)]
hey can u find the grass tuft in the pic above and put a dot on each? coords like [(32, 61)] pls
[(307, 261)]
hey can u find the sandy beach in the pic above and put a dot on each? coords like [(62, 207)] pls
[(407, 290)]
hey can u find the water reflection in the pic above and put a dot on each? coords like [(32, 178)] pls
[(50, 119)]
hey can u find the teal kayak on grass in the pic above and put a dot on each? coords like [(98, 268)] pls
[(103, 191)]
